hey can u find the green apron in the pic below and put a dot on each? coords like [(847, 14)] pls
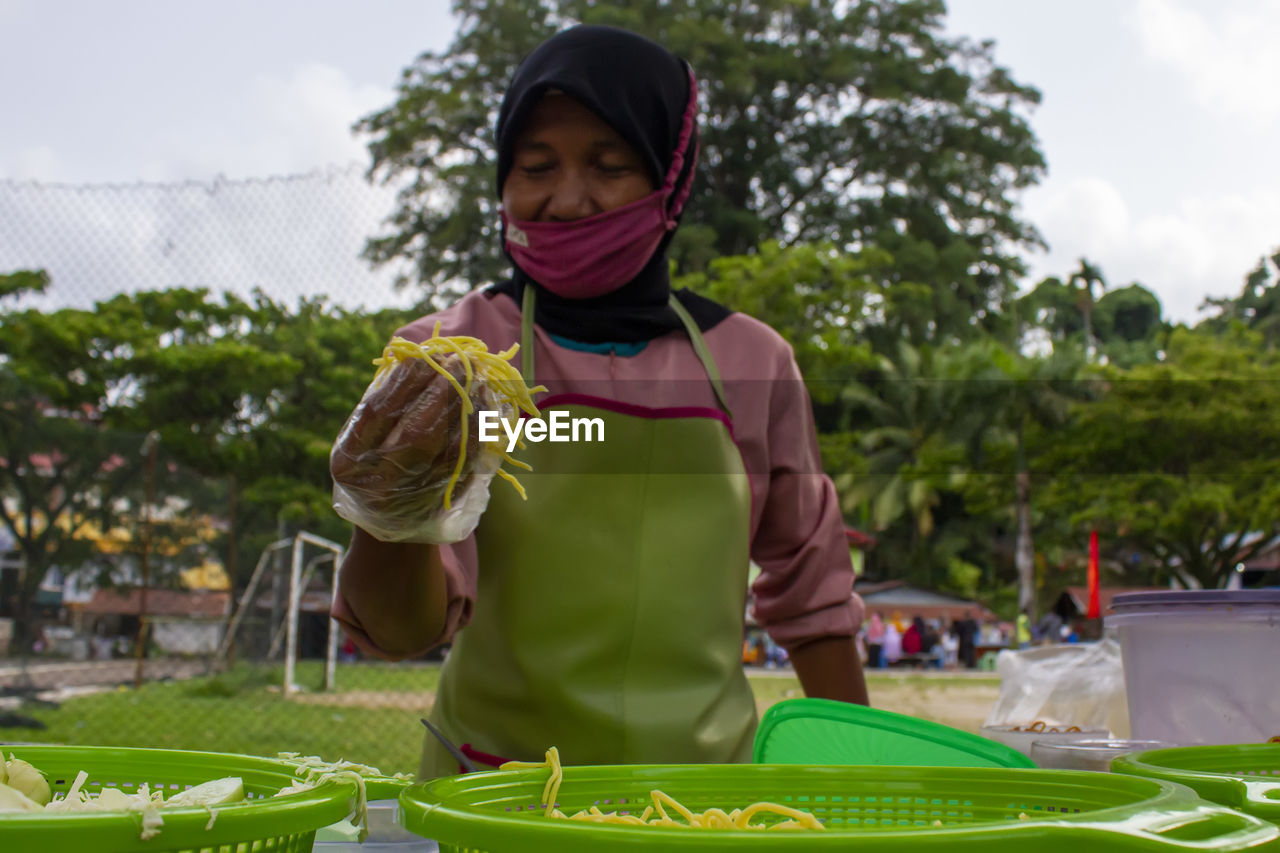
[(609, 612)]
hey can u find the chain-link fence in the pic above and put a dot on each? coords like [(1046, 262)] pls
[(126, 636), (293, 236)]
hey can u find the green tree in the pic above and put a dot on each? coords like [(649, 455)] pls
[(1129, 322), (850, 123), (1123, 325), (827, 304), (1258, 305), (1128, 314), (851, 327), (1052, 307), (247, 393), (1176, 462), (60, 461)]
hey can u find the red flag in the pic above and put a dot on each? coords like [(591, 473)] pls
[(1095, 605)]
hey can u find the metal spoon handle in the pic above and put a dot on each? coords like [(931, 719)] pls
[(467, 765)]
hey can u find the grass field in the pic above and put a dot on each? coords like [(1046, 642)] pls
[(373, 716)]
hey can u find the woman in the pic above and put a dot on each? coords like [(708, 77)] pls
[(892, 651), (875, 640), (913, 637), (604, 615)]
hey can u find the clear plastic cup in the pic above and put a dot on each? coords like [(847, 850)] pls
[(1087, 754)]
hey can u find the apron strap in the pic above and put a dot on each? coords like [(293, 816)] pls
[(526, 336), (704, 354), (690, 327)]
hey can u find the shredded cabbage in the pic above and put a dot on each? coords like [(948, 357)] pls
[(144, 801), (314, 771), (21, 776)]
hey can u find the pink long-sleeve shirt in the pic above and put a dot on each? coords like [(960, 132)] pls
[(805, 587)]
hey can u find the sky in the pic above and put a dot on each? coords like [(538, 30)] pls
[(1158, 122)]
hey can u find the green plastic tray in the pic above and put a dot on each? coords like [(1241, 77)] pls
[(821, 731), (279, 824), (1246, 777), (863, 809)]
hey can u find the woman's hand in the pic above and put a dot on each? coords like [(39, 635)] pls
[(400, 447)]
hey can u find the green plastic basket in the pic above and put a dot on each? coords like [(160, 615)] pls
[(896, 809), (1246, 777), (266, 823), (820, 731), (384, 788)]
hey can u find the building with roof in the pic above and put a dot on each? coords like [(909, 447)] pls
[(1073, 602), (886, 597), (182, 621)]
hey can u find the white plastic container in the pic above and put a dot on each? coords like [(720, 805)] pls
[(386, 835), (1201, 667), (1022, 737), (1093, 755)]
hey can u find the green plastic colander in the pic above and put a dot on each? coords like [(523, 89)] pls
[(867, 809), (1246, 776), (279, 824), (821, 731)]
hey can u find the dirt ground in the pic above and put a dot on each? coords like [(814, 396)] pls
[(956, 701), (416, 700)]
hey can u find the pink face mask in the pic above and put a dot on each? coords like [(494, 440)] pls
[(593, 256)]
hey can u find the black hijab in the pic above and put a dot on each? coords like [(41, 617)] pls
[(641, 90)]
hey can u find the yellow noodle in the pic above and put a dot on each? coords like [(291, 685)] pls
[(510, 478), (495, 369), (712, 818)]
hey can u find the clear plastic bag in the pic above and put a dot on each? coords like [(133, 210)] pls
[(395, 460), (1080, 685)]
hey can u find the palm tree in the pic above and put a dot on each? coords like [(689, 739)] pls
[(1036, 391), (1084, 279), (923, 422)]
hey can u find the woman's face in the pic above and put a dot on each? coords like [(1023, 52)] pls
[(569, 164)]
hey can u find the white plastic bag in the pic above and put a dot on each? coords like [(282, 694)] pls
[(395, 460), (1072, 684)]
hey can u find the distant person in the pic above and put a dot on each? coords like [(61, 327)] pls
[(1022, 631), (932, 642), (913, 639), (898, 623), (892, 646), (102, 647), (950, 649), (1050, 628), (875, 641), (966, 631)]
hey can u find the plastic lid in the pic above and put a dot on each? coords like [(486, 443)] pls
[(1197, 597), (821, 731)]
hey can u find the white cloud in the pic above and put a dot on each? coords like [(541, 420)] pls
[(1203, 247), (286, 125), (1228, 58), (315, 108)]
